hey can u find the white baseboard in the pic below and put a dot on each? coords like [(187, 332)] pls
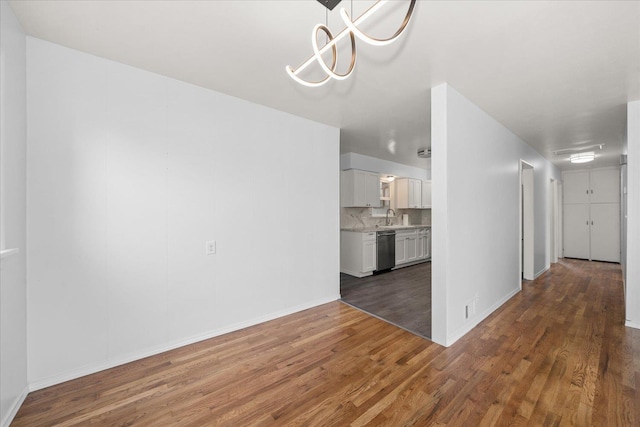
[(473, 322), (631, 324), (544, 270), (108, 364), (6, 421)]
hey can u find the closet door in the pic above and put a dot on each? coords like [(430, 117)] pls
[(576, 187), (576, 231), (605, 232), (605, 186)]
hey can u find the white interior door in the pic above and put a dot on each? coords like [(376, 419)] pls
[(605, 232), (576, 231)]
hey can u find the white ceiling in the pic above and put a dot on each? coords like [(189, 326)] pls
[(558, 74)]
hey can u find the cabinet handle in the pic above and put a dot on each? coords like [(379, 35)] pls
[(587, 222), (591, 222), (591, 191), (587, 191)]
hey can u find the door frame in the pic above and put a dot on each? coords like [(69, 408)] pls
[(554, 220), (526, 220)]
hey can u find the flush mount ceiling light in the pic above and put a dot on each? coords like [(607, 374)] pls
[(582, 157), (352, 31)]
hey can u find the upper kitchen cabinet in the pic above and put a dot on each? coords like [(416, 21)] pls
[(426, 194), (359, 189), (409, 193)]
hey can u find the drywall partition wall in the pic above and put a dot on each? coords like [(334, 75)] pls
[(475, 214), (373, 164), (130, 174), (13, 281), (632, 280)]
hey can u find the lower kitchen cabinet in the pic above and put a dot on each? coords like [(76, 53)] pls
[(412, 246), (406, 246), (424, 243), (358, 253)]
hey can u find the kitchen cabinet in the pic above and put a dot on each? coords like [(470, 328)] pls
[(413, 246), (425, 200), (424, 243), (591, 214), (406, 246), (358, 253), (359, 189), (408, 193)]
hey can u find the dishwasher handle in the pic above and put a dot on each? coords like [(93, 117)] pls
[(386, 233)]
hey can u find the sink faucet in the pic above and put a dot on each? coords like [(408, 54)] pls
[(387, 222)]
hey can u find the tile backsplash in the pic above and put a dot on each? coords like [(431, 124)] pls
[(359, 218)]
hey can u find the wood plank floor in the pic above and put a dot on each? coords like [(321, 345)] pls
[(555, 354), (402, 296)]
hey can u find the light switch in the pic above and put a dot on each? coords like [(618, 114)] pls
[(211, 247)]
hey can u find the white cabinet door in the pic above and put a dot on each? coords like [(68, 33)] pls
[(372, 190), (415, 198), (412, 248), (605, 186), (576, 187), (428, 245), (605, 232), (421, 247), (408, 193), (401, 253), (359, 189), (369, 256), (426, 195), (576, 231)]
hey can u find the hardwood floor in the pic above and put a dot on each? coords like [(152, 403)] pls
[(402, 297), (555, 354)]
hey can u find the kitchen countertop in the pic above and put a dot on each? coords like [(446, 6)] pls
[(384, 227)]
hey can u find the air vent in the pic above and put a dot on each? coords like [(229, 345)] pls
[(424, 153)]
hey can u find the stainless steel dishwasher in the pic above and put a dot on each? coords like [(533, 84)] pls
[(386, 243)]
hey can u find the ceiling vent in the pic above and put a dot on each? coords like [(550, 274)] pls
[(424, 153), (565, 151)]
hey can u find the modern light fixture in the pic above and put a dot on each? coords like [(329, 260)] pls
[(352, 31), (424, 153), (578, 148), (582, 157)]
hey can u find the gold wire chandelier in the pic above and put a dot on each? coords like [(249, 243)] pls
[(353, 31)]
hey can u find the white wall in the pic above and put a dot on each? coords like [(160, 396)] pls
[(373, 164), (129, 174), (13, 282), (475, 214), (632, 279)]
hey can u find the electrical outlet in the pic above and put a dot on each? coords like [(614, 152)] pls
[(470, 308), (210, 247)]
